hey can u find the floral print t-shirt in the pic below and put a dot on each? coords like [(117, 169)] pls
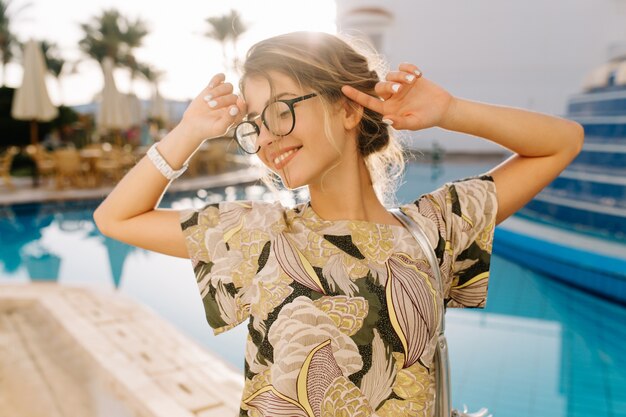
[(343, 314)]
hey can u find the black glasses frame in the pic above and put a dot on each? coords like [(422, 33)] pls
[(290, 103)]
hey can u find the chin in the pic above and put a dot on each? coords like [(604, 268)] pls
[(293, 184)]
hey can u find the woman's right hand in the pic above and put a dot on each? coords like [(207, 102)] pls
[(213, 111), (409, 101)]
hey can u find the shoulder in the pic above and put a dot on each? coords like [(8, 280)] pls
[(252, 212), (452, 195), (455, 202)]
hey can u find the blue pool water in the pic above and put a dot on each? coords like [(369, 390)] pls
[(538, 349)]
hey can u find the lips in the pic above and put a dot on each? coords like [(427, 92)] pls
[(282, 158)]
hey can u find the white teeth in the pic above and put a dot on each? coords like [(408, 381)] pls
[(283, 156)]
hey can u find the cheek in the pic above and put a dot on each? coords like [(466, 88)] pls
[(267, 164)]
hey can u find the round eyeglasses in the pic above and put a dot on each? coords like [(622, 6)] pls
[(278, 117)]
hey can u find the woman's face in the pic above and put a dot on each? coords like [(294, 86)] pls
[(305, 154)]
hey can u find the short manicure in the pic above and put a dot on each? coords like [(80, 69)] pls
[(409, 77), (208, 97), (395, 87), (388, 121), (233, 111), (418, 73), (212, 103)]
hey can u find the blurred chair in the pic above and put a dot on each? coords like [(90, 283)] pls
[(44, 160), (91, 154), (6, 159), (215, 158), (211, 158), (114, 163), (69, 168), (127, 157)]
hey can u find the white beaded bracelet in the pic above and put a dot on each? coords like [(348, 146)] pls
[(162, 165)]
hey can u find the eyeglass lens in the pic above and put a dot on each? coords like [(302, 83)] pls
[(277, 117)]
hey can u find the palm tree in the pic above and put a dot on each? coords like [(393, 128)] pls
[(54, 62), (115, 36), (150, 73), (102, 36), (227, 29), (132, 38), (9, 45), (153, 76)]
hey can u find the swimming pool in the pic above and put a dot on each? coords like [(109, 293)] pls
[(539, 348)]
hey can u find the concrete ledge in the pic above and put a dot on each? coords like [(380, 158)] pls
[(25, 193), (71, 351)]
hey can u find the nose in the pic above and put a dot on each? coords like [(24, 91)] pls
[(265, 138)]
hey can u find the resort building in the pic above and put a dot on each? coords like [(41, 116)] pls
[(532, 54)]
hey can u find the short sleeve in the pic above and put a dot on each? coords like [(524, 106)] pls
[(228, 243), (464, 212)]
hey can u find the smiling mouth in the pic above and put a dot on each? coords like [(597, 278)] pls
[(283, 159)]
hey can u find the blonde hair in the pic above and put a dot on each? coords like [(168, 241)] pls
[(325, 63)]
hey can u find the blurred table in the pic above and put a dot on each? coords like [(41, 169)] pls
[(91, 156)]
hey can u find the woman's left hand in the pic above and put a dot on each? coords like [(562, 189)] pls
[(407, 100)]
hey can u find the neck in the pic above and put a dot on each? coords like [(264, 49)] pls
[(346, 196)]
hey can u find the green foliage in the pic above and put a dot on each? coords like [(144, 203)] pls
[(53, 59), (112, 34), (227, 29), (9, 44), (17, 132), (14, 132)]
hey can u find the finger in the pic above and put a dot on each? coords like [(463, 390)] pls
[(238, 110), (401, 77), (242, 106), (241, 103), (222, 101), (390, 121), (220, 90), (406, 121), (410, 68), (365, 100), (233, 111), (386, 89), (217, 80)]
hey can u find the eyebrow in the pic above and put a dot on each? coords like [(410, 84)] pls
[(255, 114)]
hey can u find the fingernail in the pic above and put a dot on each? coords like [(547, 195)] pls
[(388, 122), (409, 77), (212, 103), (418, 73), (233, 111), (208, 97), (395, 87)]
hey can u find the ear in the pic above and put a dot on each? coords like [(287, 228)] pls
[(352, 113)]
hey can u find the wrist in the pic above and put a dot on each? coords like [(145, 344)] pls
[(187, 133), (448, 121)]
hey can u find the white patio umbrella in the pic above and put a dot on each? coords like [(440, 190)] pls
[(134, 105), (31, 100), (158, 107), (114, 112)]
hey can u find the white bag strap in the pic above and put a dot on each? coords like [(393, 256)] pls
[(427, 249), (443, 401)]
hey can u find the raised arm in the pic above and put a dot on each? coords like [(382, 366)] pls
[(129, 212), (544, 145)]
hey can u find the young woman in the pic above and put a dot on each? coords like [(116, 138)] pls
[(341, 302)]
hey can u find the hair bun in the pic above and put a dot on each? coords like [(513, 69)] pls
[(374, 134)]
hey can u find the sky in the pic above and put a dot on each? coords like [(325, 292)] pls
[(175, 44)]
